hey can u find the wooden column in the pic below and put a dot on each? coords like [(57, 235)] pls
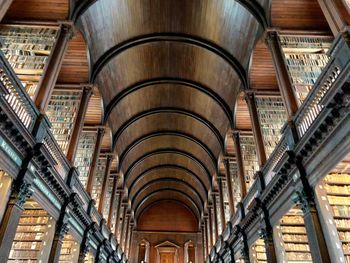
[(101, 204), (258, 138), (210, 226), (240, 166), (130, 238), (126, 241), (229, 187), (4, 6), (55, 252), (222, 204), (284, 81), (267, 236), (317, 243), (79, 124), (117, 215), (336, 14), (203, 241), (112, 203), (122, 226), (91, 178), (215, 217), (19, 195), (49, 78), (206, 237)]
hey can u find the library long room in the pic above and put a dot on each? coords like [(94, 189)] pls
[(174, 131)]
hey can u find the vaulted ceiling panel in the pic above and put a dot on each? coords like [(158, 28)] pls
[(169, 73)]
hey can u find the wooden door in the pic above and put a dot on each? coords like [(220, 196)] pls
[(166, 257)]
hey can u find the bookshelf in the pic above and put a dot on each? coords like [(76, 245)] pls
[(226, 202), (293, 237), (250, 161), (33, 230), (99, 174), (27, 49), (108, 196), (89, 258), (69, 250), (272, 116), (337, 187), (62, 112), (258, 252), (5, 185), (305, 58), (83, 157)]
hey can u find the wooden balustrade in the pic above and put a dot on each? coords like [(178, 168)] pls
[(15, 95)]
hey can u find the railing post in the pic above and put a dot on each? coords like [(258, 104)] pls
[(284, 81), (53, 67), (240, 166), (258, 138), (91, 178), (79, 123)]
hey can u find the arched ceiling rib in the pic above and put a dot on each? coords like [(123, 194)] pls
[(169, 171), (167, 159), (167, 183), (172, 140), (169, 73)]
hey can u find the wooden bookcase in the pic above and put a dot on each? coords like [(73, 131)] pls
[(305, 57), (69, 250), (250, 161), (32, 234), (27, 49), (272, 117), (337, 187), (258, 252), (108, 196), (99, 174), (293, 244), (83, 157), (62, 112)]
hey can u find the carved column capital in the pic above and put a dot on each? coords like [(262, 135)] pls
[(68, 28), (21, 193), (305, 201)]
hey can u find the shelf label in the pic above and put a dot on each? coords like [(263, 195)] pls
[(47, 192), (10, 151)]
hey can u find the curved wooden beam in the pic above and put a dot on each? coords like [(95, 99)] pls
[(167, 80), (169, 133), (160, 167), (170, 110), (148, 184), (169, 37), (252, 6), (172, 151), (190, 199)]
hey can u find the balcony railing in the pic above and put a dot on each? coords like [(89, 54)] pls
[(15, 95)]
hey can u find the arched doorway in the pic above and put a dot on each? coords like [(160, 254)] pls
[(167, 252)]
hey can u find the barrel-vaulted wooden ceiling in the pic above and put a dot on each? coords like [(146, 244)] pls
[(170, 75)]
